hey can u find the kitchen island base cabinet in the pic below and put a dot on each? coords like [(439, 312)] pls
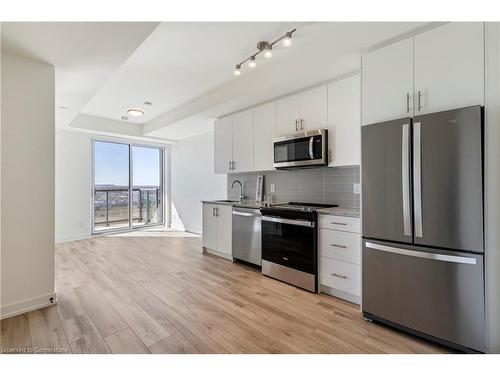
[(217, 229), (339, 261)]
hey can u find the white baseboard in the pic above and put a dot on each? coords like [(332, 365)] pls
[(218, 253), (72, 238), (340, 294), (27, 305), (193, 230)]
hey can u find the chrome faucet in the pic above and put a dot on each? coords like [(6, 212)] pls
[(241, 189)]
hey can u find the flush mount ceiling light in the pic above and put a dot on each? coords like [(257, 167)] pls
[(135, 112), (266, 49)]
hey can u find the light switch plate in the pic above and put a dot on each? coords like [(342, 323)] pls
[(273, 188), (356, 189)]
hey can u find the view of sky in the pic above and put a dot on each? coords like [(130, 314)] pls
[(111, 164)]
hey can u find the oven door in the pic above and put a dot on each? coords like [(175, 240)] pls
[(301, 150), (289, 242)]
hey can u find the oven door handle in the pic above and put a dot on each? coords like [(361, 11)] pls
[(302, 223), (311, 144)]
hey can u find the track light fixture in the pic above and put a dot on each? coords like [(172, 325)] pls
[(237, 70), (266, 49), (251, 62)]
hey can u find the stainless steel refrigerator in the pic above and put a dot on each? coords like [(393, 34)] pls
[(422, 224)]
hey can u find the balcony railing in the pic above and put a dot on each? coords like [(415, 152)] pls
[(111, 206)]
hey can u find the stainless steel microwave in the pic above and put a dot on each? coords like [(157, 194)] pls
[(301, 150)]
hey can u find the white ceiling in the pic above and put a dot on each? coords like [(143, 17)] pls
[(185, 69), (320, 51), (176, 63), (85, 54)]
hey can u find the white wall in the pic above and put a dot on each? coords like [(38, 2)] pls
[(27, 193), (73, 182), (192, 180), (492, 184)]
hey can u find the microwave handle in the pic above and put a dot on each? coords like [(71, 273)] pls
[(311, 144)]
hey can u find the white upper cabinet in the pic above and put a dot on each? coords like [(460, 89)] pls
[(302, 112), (223, 143), (243, 141), (313, 109), (387, 79), (437, 70), (344, 120), (264, 132), (288, 115), (449, 67)]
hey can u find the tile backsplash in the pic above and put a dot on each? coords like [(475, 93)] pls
[(319, 185)]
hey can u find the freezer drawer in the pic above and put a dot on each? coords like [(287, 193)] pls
[(437, 293)]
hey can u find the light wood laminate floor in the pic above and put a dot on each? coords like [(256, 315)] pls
[(163, 295)]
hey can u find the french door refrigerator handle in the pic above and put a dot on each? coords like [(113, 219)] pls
[(405, 171), (422, 254), (417, 179)]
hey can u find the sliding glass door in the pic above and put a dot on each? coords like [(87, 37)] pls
[(127, 187), (146, 191)]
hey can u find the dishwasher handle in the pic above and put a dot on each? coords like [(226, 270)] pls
[(246, 213)]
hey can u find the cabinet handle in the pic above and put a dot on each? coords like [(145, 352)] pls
[(419, 100), (340, 246), (339, 276), (285, 258), (234, 165), (296, 125), (337, 223), (301, 124), (407, 102), (213, 211), (216, 211)]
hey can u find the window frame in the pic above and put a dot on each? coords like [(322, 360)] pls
[(163, 199)]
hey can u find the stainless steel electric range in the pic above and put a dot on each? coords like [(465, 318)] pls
[(289, 243)]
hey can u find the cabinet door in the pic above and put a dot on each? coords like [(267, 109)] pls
[(223, 143), (288, 115), (209, 227), (449, 67), (313, 109), (344, 120), (387, 80), (224, 229), (243, 141), (264, 132)]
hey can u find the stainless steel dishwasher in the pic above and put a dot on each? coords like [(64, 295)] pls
[(247, 235)]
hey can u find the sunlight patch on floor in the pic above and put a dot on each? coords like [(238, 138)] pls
[(156, 232)]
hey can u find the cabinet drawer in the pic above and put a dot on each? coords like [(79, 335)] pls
[(343, 223), (344, 246), (339, 275)]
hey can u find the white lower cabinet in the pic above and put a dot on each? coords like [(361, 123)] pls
[(217, 229), (340, 257), (341, 276)]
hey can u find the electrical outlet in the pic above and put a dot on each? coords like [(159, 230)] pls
[(273, 188), (356, 189)]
